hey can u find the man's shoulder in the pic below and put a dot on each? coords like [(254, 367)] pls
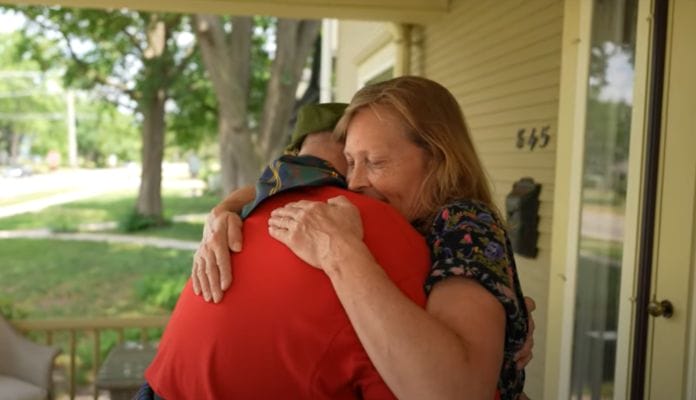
[(379, 218), (323, 193)]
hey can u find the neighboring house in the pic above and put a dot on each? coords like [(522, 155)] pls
[(567, 93)]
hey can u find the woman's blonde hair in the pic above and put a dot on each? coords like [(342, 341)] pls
[(434, 121)]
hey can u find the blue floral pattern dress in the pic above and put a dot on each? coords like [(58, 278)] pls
[(467, 239)]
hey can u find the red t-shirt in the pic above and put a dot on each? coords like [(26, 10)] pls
[(280, 332)]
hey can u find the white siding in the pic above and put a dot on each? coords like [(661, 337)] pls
[(354, 38), (501, 59)]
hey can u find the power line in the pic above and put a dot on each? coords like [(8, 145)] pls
[(32, 116), (28, 93), (56, 116), (27, 74)]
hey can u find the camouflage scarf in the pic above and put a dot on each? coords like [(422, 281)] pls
[(290, 172)]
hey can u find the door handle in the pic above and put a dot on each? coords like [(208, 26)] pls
[(663, 308)]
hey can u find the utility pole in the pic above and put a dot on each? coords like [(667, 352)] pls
[(72, 131)]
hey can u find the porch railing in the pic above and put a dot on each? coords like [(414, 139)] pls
[(93, 327)]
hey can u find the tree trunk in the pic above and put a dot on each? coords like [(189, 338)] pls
[(295, 40), (227, 58), (311, 94), (14, 146), (150, 193), (238, 160), (151, 105)]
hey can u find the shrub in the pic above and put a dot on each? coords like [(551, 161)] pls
[(134, 221), (10, 311), (161, 291), (62, 222)]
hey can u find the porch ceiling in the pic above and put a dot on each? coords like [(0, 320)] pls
[(412, 11)]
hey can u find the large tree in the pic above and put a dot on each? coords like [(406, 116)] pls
[(134, 58), (133, 55), (227, 47)]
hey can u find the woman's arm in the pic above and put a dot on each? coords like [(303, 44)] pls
[(211, 273), (453, 350)]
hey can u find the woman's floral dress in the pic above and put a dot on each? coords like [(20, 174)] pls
[(467, 239)]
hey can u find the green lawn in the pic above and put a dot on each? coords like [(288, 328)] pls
[(112, 207), (55, 278), (28, 197), (52, 278), (175, 230)]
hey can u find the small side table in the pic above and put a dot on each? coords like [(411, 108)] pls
[(123, 369)]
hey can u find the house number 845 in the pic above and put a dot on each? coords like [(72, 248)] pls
[(533, 137)]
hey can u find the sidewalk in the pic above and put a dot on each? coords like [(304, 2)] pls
[(90, 232), (91, 183), (101, 237)]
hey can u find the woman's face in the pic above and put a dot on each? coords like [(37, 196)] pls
[(382, 162)]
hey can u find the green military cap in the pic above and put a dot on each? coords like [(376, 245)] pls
[(313, 118)]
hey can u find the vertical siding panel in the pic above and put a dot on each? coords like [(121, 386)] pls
[(352, 37), (502, 62)]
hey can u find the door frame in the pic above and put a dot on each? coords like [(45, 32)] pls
[(567, 199), (667, 376), (566, 203)]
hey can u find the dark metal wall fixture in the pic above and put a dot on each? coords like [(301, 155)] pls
[(522, 212)]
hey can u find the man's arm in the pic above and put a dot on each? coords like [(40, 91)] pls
[(211, 273)]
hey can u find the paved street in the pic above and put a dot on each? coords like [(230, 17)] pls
[(64, 186)]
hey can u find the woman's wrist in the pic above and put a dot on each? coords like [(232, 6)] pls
[(348, 252)]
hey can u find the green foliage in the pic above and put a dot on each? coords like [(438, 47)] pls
[(161, 291), (9, 310), (103, 130), (132, 58), (93, 44), (110, 50), (30, 107), (36, 109), (62, 222), (194, 120), (608, 130), (134, 221)]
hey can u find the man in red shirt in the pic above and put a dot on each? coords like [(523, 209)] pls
[(282, 332)]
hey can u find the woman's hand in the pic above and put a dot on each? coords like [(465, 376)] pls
[(524, 355), (315, 231), (212, 272)]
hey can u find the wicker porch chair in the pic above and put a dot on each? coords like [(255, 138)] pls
[(25, 367)]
